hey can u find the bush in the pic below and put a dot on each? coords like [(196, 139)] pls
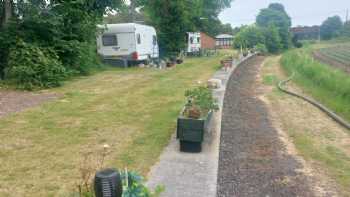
[(200, 100), (31, 66), (133, 185), (261, 48), (78, 57)]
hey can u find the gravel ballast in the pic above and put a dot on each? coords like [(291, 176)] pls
[(253, 160)]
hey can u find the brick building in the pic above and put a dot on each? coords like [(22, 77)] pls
[(207, 42)]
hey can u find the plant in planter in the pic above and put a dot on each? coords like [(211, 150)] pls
[(133, 185), (195, 118)]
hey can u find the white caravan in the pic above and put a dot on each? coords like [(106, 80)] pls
[(193, 42), (129, 42)]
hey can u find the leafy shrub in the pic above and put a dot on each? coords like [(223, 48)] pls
[(261, 48), (78, 57), (201, 99), (31, 66), (133, 185)]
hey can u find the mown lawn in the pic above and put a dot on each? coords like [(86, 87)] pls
[(133, 111)]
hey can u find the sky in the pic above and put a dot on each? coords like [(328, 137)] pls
[(302, 12)]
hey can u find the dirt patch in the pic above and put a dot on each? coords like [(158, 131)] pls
[(254, 160), (320, 57), (16, 101)]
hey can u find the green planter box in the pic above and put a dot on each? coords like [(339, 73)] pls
[(191, 131)]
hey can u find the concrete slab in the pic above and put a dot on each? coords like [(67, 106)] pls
[(192, 174)]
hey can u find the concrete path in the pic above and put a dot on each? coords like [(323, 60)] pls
[(192, 174)]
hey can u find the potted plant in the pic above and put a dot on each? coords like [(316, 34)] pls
[(194, 119)]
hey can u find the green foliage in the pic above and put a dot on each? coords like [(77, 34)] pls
[(202, 98), (329, 86), (276, 15), (272, 39), (32, 66), (173, 18), (171, 21), (249, 37), (66, 28), (271, 31), (261, 48), (134, 186), (331, 28), (296, 42)]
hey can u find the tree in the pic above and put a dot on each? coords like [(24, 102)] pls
[(249, 37), (60, 31), (276, 15), (173, 18), (331, 28), (272, 39)]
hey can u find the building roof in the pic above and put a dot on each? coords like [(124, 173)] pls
[(224, 36)]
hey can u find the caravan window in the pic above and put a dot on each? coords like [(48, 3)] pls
[(138, 38), (198, 40), (109, 40), (191, 40)]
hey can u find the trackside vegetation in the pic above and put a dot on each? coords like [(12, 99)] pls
[(327, 85)]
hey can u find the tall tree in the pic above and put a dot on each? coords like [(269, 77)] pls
[(249, 37), (331, 28), (171, 19), (272, 39), (276, 15)]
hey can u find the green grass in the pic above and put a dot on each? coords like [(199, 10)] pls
[(328, 85), (132, 110), (334, 161), (270, 80), (332, 88)]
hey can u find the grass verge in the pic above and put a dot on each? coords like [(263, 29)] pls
[(326, 84), (319, 140), (133, 111)]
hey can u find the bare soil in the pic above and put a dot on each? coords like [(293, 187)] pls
[(15, 101), (320, 57), (254, 160)]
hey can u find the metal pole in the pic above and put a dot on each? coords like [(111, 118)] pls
[(132, 10)]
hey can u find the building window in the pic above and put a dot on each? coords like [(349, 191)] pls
[(109, 40)]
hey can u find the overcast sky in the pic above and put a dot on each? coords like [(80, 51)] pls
[(303, 12)]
